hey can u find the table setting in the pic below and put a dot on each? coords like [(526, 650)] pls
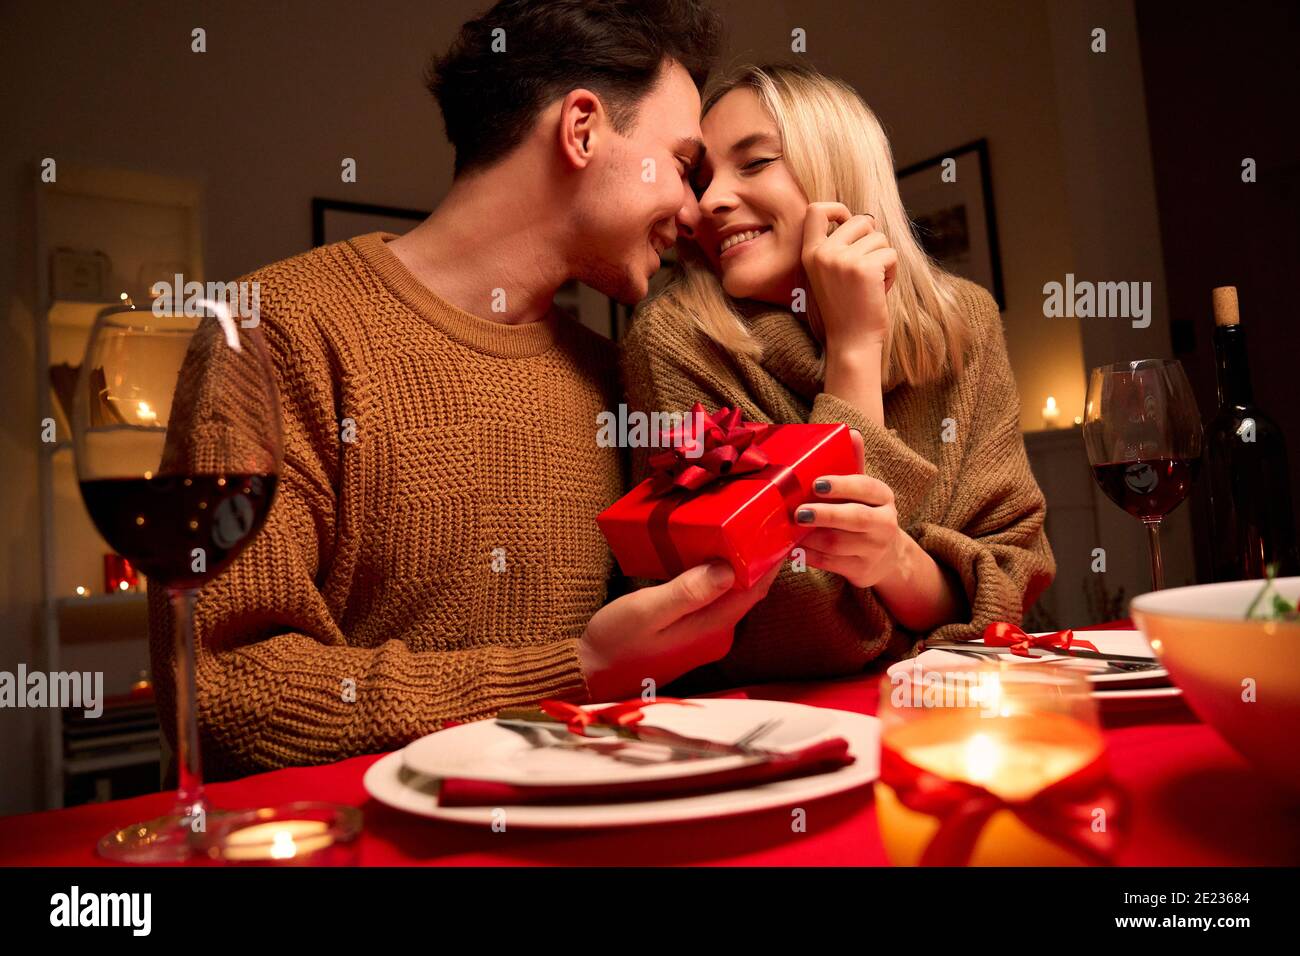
[(1082, 746), (1173, 790)]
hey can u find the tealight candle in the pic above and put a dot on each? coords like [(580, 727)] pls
[(278, 840), (1051, 413), (302, 833), (1008, 742)]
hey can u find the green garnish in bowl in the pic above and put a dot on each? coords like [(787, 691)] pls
[(1277, 608)]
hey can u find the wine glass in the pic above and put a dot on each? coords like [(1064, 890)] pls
[(1142, 430), (177, 436)]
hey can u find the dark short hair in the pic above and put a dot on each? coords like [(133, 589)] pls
[(490, 100)]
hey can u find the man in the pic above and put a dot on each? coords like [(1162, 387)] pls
[(432, 554)]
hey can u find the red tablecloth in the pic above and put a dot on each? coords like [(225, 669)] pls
[(1194, 802)]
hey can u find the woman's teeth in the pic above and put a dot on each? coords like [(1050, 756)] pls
[(739, 237)]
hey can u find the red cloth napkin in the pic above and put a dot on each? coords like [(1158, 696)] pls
[(821, 757)]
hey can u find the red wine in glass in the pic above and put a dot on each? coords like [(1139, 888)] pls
[(178, 444), (1149, 489), (1142, 430), (180, 530)]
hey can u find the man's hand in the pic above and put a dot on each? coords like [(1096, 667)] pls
[(662, 632)]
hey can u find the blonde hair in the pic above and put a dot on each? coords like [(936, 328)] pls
[(836, 151)]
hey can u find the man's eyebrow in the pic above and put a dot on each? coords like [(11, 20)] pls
[(691, 147), (754, 139)]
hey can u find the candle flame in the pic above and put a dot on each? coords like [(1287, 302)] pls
[(983, 757), (145, 413), (282, 845)]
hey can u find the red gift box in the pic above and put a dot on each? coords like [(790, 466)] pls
[(724, 490)]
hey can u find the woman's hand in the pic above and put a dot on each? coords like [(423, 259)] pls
[(857, 537), (856, 528), (850, 272)]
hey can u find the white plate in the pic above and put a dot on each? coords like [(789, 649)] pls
[(389, 782), (1111, 691), (1138, 693), (484, 750), (1130, 643), (1111, 687)]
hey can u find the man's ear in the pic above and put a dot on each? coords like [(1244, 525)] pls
[(582, 124)]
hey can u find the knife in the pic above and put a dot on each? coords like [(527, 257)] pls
[(533, 716), (996, 651)]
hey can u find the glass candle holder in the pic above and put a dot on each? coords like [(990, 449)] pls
[(119, 575), (292, 834), (994, 764)]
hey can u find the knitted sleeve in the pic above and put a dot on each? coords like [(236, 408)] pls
[(992, 532), (278, 681)]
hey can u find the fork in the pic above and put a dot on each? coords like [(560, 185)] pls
[(1122, 667), (536, 736), (761, 730), (561, 737)]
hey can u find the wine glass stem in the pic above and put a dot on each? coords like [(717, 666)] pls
[(190, 801), (1157, 565)]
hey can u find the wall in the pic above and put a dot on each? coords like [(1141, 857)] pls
[(1215, 91)]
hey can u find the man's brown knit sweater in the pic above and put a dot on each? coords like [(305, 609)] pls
[(439, 566), (971, 502)]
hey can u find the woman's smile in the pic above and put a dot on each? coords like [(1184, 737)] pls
[(738, 241)]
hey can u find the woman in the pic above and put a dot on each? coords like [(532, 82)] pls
[(943, 533)]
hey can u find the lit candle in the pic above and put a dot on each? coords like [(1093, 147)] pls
[(1051, 414), (1013, 756), (276, 840), (145, 413)]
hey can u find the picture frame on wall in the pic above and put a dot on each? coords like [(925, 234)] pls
[(333, 220), (954, 215)]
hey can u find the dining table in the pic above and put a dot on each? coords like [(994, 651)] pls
[(1191, 801)]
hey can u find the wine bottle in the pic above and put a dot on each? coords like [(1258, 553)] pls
[(1250, 491)]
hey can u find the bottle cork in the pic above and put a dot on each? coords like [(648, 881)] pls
[(1225, 305)]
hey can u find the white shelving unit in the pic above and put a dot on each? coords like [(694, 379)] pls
[(149, 226)]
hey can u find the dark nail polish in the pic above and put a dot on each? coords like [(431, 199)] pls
[(822, 486), (805, 516)]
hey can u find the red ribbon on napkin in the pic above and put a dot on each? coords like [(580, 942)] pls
[(623, 714), (1002, 634), (706, 449), (1063, 812)]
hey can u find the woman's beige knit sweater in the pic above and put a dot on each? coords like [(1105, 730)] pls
[(971, 502)]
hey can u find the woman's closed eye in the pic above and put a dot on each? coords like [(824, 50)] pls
[(754, 165)]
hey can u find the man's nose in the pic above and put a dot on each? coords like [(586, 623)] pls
[(688, 215)]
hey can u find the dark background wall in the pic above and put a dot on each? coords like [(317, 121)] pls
[(1215, 87)]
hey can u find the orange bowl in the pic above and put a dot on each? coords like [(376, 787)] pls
[(1242, 677)]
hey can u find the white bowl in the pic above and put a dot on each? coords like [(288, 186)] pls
[(1242, 677)]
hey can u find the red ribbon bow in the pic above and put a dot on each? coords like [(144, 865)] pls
[(705, 449), (1002, 634), (1063, 812), (622, 714)]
